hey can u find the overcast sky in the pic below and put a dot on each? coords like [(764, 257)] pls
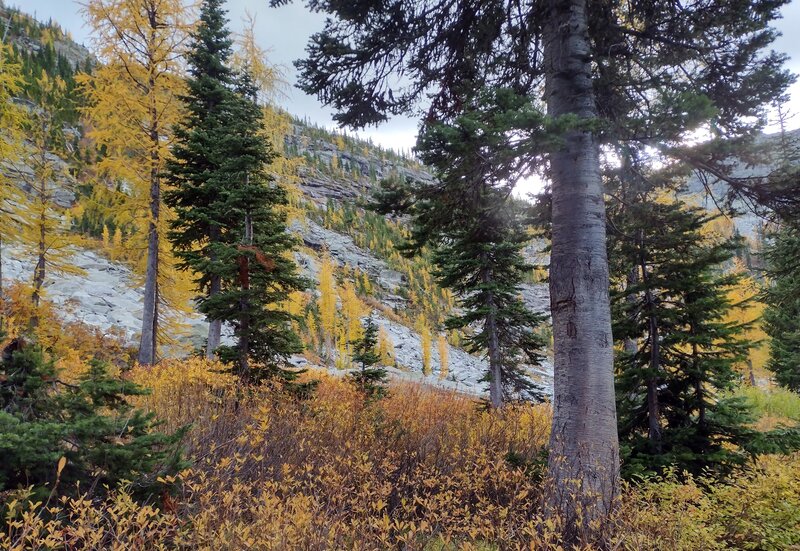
[(285, 31)]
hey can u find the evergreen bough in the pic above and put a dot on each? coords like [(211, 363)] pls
[(782, 315), (103, 438)]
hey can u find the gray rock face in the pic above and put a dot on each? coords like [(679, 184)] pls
[(344, 251), (103, 294)]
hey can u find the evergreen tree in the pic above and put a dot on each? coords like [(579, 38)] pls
[(369, 380), (477, 232), (91, 424), (227, 203), (258, 273), (201, 147), (671, 382), (782, 315)]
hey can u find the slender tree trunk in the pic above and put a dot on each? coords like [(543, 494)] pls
[(215, 286), (630, 345), (41, 250), (39, 270), (244, 304), (583, 466), (653, 406), (148, 343), (698, 387), (493, 344)]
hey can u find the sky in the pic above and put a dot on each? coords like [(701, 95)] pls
[(284, 32)]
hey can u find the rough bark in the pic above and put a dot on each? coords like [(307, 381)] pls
[(583, 466), (147, 343)]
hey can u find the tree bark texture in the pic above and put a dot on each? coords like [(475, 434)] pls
[(583, 466)]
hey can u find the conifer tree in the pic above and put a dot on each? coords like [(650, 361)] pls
[(11, 117), (201, 148), (44, 232), (782, 316), (443, 357), (369, 380), (91, 424), (477, 232), (327, 304), (671, 383), (260, 271), (227, 203)]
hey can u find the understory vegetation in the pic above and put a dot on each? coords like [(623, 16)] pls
[(419, 469)]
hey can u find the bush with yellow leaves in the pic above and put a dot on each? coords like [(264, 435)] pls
[(422, 469)]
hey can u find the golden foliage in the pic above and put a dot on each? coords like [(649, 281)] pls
[(420, 470), (443, 357)]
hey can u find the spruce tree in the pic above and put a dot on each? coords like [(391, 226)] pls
[(91, 424), (782, 316), (229, 226), (257, 274), (477, 232), (369, 380), (194, 173), (671, 382)]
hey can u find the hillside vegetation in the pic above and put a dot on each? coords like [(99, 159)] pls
[(225, 327)]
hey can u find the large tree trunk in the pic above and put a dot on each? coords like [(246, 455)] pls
[(583, 467), (147, 343)]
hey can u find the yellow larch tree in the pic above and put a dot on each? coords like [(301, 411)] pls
[(116, 243), (271, 84), (385, 346), (312, 331), (353, 310), (426, 341), (746, 293), (11, 116), (327, 304), (44, 224), (444, 367), (133, 104)]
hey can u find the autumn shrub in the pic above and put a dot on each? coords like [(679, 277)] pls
[(421, 469), (760, 509), (776, 402)]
